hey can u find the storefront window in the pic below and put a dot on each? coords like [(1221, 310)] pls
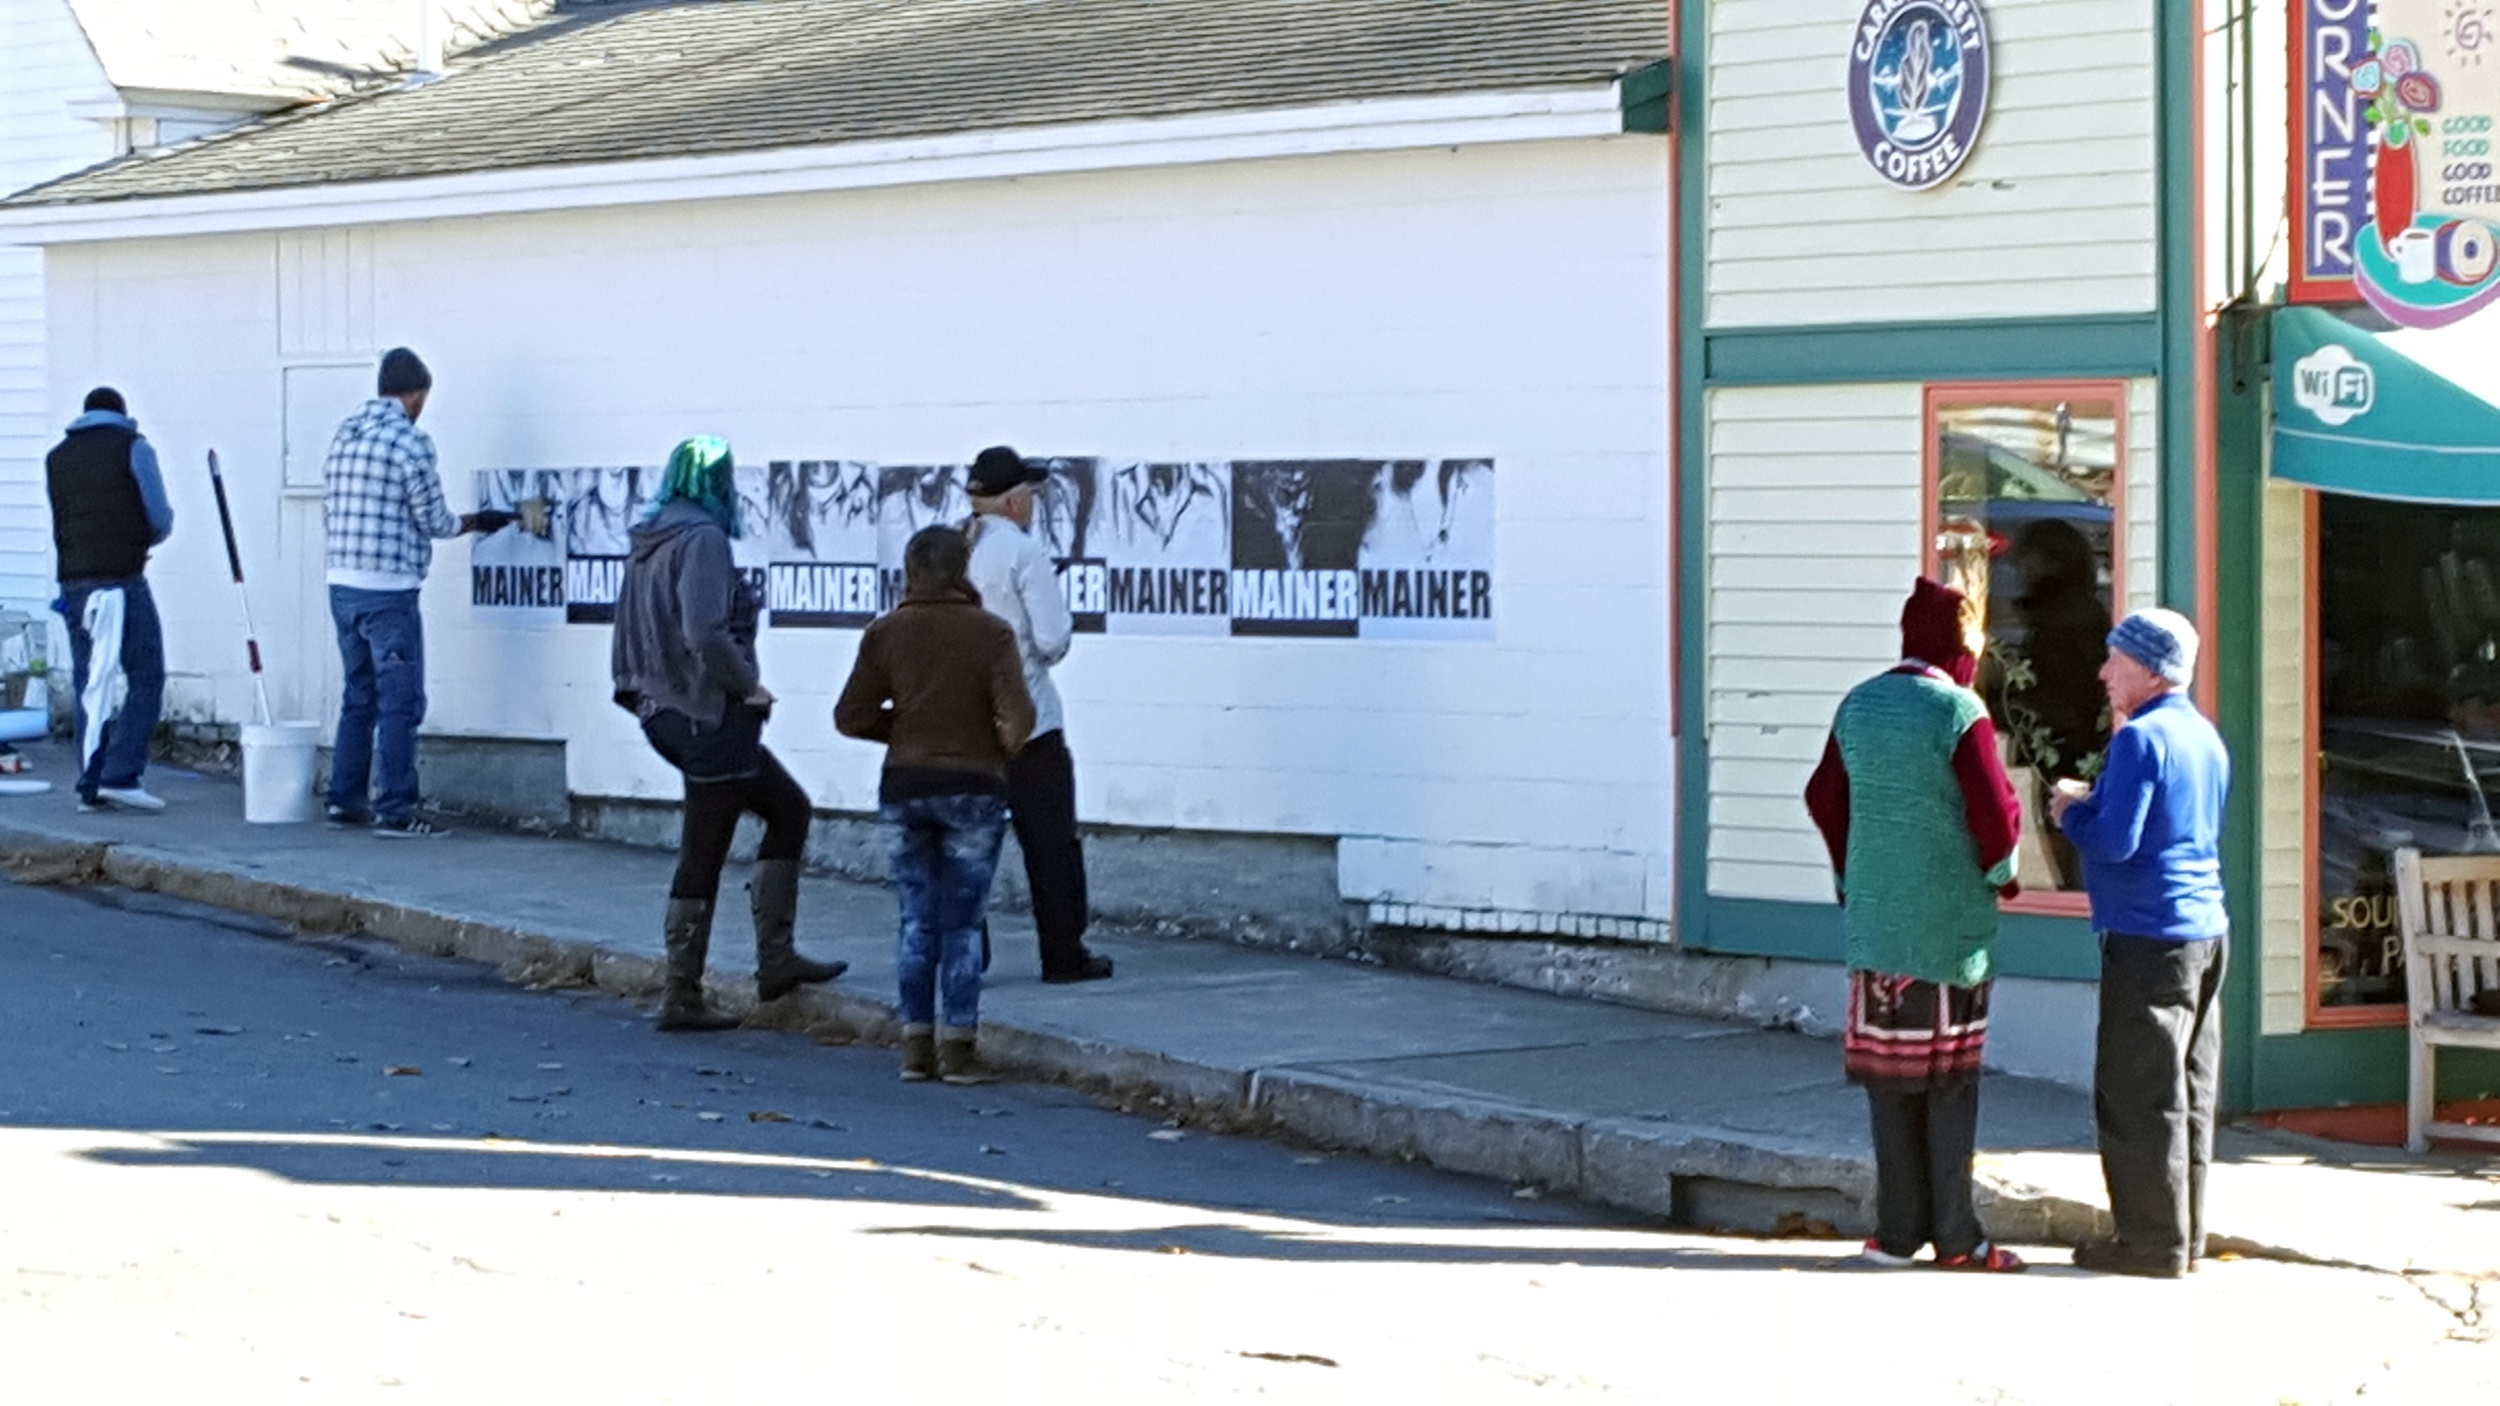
[(2027, 515), (2408, 685)]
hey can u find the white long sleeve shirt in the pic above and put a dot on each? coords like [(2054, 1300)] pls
[(1019, 584)]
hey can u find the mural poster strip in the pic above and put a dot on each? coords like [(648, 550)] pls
[(1328, 548)]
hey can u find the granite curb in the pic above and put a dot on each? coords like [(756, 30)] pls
[(1694, 1175)]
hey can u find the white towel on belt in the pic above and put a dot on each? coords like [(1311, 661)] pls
[(107, 686)]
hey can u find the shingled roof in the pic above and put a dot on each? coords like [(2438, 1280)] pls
[(610, 82)]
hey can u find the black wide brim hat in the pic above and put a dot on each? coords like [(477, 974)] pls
[(999, 469)]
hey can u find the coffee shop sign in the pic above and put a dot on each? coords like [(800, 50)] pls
[(1918, 87)]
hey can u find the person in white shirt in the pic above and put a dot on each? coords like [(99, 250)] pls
[(1019, 583)]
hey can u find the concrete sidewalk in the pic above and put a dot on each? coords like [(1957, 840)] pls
[(1710, 1123)]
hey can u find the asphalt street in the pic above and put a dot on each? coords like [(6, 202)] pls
[(242, 1165)]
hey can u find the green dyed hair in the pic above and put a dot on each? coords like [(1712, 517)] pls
[(702, 471)]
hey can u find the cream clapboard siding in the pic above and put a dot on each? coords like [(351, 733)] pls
[(2054, 213), (2141, 581), (44, 64), (1814, 533), (1814, 526), (2283, 749)]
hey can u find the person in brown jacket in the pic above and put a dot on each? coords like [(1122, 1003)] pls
[(939, 682)]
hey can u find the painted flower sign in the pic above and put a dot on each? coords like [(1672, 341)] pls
[(2395, 198)]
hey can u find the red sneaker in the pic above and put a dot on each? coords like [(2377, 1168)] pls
[(1989, 1258)]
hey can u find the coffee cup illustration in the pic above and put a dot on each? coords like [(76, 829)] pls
[(2416, 252)]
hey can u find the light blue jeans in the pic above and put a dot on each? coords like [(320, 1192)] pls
[(945, 852)]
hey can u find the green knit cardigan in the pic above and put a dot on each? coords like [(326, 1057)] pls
[(1918, 902)]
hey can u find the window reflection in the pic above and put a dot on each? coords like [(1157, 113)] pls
[(2409, 718), (2027, 514)]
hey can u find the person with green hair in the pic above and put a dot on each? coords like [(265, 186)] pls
[(684, 664)]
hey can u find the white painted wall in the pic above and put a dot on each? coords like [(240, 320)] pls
[(1479, 300), (44, 64), (1815, 528), (2054, 213)]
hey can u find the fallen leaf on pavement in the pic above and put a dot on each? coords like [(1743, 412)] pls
[(117, 1046), (1167, 1135), (987, 1150), (550, 1064), (1306, 1359), (766, 1115), (1528, 1193), (400, 1071), (461, 1060), (708, 1116), (218, 1030)]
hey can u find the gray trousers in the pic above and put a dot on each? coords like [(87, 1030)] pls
[(2156, 1073), (1923, 1144)]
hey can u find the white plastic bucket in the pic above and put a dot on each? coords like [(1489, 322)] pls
[(278, 765)]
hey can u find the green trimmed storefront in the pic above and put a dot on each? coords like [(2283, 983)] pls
[(1841, 350)]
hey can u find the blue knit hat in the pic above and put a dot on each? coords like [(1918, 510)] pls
[(2160, 640)]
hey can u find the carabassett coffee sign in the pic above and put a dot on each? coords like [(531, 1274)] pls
[(1918, 87)]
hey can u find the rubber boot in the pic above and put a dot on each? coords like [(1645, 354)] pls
[(959, 1060), (919, 1054), (682, 1006), (773, 897)]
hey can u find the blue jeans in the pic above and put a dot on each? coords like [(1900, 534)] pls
[(945, 851), (381, 701), (124, 755)]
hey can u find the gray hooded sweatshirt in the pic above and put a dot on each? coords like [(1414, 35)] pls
[(685, 620)]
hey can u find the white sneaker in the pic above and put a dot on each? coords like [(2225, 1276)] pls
[(1875, 1256), (129, 798)]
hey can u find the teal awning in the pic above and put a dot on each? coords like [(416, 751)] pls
[(2354, 415)]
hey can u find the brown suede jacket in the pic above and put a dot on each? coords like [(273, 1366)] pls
[(939, 682)]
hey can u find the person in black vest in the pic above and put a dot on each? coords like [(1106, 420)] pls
[(108, 511)]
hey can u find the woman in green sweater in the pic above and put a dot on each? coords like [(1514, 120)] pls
[(1921, 822)]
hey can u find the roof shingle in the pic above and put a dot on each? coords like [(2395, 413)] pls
[(700, 77)]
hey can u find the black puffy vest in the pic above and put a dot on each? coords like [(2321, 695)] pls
[(99, 521)]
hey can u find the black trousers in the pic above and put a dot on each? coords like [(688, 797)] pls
[(2156, 1071), (1041, 802), (1923, 1144), (712, 811)]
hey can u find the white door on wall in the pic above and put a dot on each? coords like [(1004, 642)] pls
[(304, 680)]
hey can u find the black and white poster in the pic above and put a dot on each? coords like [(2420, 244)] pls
[(563, 560), (819, 532), (1315, 548)]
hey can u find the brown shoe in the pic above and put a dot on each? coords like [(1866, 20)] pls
[(920, 1059), (683, 1007), (773, 898), (960, 1063)]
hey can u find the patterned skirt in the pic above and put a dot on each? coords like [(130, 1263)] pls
[(1905, 1033)]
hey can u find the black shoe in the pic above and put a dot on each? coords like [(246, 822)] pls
[(2112, 1257), (1095, 967), (345, 819)]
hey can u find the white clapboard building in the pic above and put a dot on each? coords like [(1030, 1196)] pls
[(1343, 324)]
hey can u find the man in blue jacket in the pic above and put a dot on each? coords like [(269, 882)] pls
[(108, 512), (2150, 832)]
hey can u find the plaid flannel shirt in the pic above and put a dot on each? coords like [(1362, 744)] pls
[(381, 499)]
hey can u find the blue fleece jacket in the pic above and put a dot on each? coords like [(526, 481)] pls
[(2151, 831), (142, 467)]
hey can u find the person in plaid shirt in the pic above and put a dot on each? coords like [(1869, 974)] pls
[(382, 506)]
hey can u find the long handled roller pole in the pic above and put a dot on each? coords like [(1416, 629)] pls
[(234, 561)]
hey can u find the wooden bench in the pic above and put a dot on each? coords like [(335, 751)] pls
[(2449, 909)]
